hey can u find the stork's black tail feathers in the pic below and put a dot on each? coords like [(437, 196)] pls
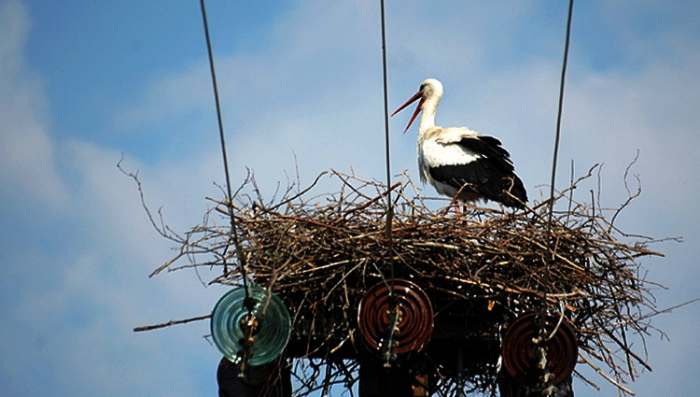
[(512, 192)]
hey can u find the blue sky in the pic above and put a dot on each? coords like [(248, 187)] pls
[(82, 82)]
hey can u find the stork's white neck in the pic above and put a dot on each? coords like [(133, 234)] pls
[(427, 120)]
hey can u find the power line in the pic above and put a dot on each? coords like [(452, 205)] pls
[(234, 231), (559, 112), (390, 211), (393, 317)]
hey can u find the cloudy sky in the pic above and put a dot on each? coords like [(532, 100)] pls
[(83, 82)]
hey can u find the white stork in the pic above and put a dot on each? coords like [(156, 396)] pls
[(458, 161)]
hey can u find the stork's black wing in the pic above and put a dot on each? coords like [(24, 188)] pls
[(489, 176)]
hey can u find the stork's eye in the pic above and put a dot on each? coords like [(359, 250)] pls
[(422, 86)]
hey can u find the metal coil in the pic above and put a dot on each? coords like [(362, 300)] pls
[(519, 349), (272, 324), (414, 311)]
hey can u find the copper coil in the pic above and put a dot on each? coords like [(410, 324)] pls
[(414, 310), (519, 350)]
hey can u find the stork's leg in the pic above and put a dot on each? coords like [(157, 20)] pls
[(458, 209)]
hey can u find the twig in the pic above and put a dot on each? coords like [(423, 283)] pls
[(171, 323)]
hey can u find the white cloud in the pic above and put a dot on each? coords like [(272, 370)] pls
[(172, 94), (77, 319), (27, 152), (73, 310)]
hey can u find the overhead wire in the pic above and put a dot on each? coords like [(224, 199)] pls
[(393, 318), (559, 111), (390, 209), (229, 201), (387, 152), (540, 321)]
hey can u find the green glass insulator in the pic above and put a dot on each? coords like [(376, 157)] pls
[(274, 325)]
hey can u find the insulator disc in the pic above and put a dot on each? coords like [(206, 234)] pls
[(519, 350), (273, 331), (415, 325)]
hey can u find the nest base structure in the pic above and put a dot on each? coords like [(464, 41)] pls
[(481, 268)]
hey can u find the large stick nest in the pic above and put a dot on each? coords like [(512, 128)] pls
[(482, 267)]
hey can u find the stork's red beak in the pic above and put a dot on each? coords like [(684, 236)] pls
[(417, 96)]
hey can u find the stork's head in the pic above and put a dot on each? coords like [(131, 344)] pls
[(429, 93)]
